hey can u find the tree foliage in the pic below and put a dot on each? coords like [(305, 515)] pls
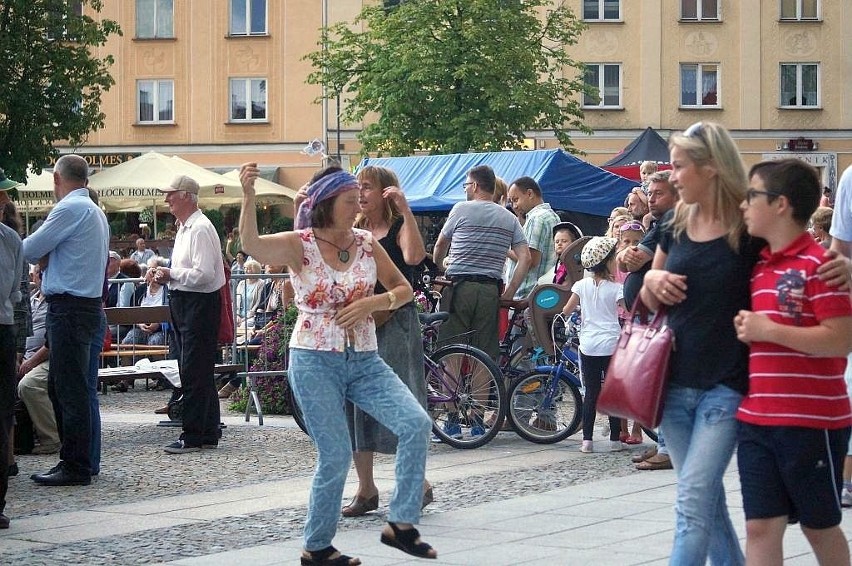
[(50, 82), (452, 76)]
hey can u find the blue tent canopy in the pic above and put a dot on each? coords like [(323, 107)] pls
[(434, 183)]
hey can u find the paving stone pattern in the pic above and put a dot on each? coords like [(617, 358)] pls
[(135, 468)]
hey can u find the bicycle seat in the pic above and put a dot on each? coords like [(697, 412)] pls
[(430, 318)]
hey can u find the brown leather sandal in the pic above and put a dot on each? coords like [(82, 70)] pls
[(360, 506), (655, 462)]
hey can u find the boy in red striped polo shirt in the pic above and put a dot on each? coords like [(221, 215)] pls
[(795, 420)]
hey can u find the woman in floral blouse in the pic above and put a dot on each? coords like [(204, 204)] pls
[(333, 354)]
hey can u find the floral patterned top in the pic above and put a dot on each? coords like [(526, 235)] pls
[(321, 291)]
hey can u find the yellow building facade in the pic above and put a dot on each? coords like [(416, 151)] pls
[(221, 82)]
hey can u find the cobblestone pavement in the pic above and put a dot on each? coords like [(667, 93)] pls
[(135, 468)]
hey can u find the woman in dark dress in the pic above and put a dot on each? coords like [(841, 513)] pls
[(386, 214)]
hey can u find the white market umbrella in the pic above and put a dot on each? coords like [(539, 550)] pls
[(267, 191)]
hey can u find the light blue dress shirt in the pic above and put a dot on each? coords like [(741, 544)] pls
[(75, 237)]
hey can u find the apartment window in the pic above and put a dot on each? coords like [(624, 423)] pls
[(699, 10), (61, 22), (248, 17), (248, 100), (800, 85), (154, 18), (605, 82), (598, 10), (699, 85), (156, 101), (799, 9)]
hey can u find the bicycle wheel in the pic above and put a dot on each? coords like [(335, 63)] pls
[(541, 417), (466, 396)]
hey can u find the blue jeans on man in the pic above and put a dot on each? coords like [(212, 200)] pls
[(701, 434), (92, 389), (72, 327)]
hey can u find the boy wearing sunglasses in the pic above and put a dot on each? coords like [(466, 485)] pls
[(795, 420)]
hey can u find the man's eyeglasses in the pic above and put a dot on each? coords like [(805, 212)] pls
[(751, 193), (467, 184)]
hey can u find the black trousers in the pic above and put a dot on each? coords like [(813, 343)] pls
[(7, 404), (594, 370), (195, 319)]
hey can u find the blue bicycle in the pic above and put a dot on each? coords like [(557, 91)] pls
[(546, 405)]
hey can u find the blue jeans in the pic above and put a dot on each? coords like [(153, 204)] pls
[(701, 433), (72, 326), (322, 382), (92, 388)]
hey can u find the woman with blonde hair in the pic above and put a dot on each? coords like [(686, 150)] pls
[(701, 273), (386, 215)]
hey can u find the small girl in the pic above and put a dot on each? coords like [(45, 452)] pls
[(630, 234), (564, 234), (599, 296)]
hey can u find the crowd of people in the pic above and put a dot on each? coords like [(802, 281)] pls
[(751, 268)]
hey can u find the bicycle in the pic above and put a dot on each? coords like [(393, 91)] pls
[(465, 395), (546, 405)]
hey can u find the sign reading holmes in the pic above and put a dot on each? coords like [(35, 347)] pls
[(98, 160)]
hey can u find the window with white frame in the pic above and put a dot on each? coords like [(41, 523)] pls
[(248, 100), (154, 18), (699, 85), (156, 101), (600, 10), (800, 9), (699, 10), (248, 17), (799, 85), (604, 81)]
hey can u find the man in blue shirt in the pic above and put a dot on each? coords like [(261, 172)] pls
[(75, 234)]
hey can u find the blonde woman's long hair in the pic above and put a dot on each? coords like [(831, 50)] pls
[(708, 143), (380, 177)]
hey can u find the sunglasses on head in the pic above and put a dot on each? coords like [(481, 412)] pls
[(632, 226), (695, 131)]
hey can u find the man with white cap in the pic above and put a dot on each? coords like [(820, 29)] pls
[(75, 234), (195, 277)]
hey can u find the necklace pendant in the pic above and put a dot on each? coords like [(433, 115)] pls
[(343, 256)]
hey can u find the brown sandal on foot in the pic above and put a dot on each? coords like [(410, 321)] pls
[(656, 462), (360, 506)]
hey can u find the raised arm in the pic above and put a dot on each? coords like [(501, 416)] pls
[(410, 241), (283, 248)]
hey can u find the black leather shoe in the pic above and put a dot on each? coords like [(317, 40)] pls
[(52, 470), (62, 477), (4, 521), (13, 471)]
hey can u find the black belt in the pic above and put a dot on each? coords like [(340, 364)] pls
[(69, 298), (476, 279)]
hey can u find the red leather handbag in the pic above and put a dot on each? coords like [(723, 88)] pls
[(635, 383)]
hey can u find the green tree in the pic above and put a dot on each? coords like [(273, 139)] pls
[(451, 76), (50, 81)]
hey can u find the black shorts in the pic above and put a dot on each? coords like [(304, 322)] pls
[(792, 471)]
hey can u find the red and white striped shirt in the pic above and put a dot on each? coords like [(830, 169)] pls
[(787, 387)]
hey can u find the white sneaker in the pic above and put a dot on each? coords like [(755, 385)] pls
[(846, 498), (615, 446), (587, 447)]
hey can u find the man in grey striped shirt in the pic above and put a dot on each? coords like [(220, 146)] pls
[(475, 240)]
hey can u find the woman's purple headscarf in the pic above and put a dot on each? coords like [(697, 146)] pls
[(322, 189)]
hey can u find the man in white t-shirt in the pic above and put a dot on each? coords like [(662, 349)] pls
[(841, 242)]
